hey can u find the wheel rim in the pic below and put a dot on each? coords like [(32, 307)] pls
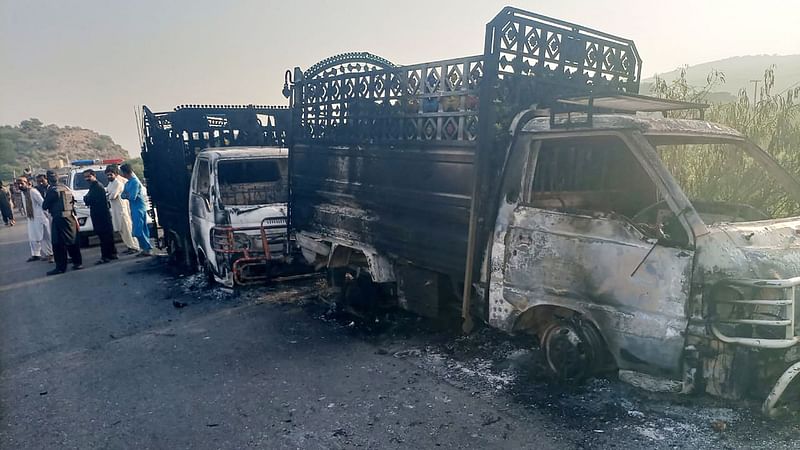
[(568, 354)]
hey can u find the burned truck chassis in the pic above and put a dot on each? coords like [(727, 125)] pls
[(398, 172)]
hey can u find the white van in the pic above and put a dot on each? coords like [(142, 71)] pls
[(237, 212), (80, 187)]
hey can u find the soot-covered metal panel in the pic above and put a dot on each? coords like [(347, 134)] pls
[(410, 203)]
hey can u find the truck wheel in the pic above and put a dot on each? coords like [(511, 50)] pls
[(335, 278), (573, 349), (173, 250), (204, 266), (209, 275), (352, 293)]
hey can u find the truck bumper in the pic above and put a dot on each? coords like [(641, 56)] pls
[(779, 298)]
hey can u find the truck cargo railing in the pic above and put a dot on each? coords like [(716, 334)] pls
[(526, 43), (363, 99), (359, 97)]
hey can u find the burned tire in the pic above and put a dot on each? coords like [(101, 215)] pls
[(208, 273), (180, 252), (174, 254), (353, 293), (205, 267), (573, 349)]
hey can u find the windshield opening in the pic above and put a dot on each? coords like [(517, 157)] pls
[(252, 181), (725, 182), (79, 183)]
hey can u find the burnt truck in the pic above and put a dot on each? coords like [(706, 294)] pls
[(531, 186), (237, 135)]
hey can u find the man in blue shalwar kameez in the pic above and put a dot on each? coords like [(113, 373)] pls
[(133, 193)]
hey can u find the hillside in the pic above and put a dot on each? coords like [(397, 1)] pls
[(33, 144), (739, 71)]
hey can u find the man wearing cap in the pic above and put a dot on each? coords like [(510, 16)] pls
[(64, 227)]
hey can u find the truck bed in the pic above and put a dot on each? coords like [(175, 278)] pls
[(411, 203), (406, 158)]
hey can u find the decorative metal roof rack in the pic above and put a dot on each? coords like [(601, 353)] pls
[(626, 103)]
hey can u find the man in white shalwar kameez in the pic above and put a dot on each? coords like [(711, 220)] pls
[(120, 212), (38, 221)]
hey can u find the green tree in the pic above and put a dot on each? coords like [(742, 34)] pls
[(137, 165), (772, 120)]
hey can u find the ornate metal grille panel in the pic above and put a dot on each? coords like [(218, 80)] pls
[(361, 98), (528, 59), (201, 126), (524, 43)]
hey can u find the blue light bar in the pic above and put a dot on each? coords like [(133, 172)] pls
[(83, 162)]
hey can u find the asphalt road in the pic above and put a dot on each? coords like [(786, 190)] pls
[(102, 358)]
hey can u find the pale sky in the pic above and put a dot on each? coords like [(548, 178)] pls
[(88, 63)]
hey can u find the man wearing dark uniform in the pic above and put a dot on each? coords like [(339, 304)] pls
[(101, 216), (6, 205), (64, 227)]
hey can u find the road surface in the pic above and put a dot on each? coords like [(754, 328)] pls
[(103, 358)]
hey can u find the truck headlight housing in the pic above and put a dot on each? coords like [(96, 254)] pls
[(241, 241)]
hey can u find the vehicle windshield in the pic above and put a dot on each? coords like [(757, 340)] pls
[(79, 184), (724, 181), (244, 182)]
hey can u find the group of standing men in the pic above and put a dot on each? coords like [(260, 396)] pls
[(53, 226), (121, 206)]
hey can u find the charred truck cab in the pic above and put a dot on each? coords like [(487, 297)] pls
[(237, 212), (595, 220), (171, 142), (524, 187)]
